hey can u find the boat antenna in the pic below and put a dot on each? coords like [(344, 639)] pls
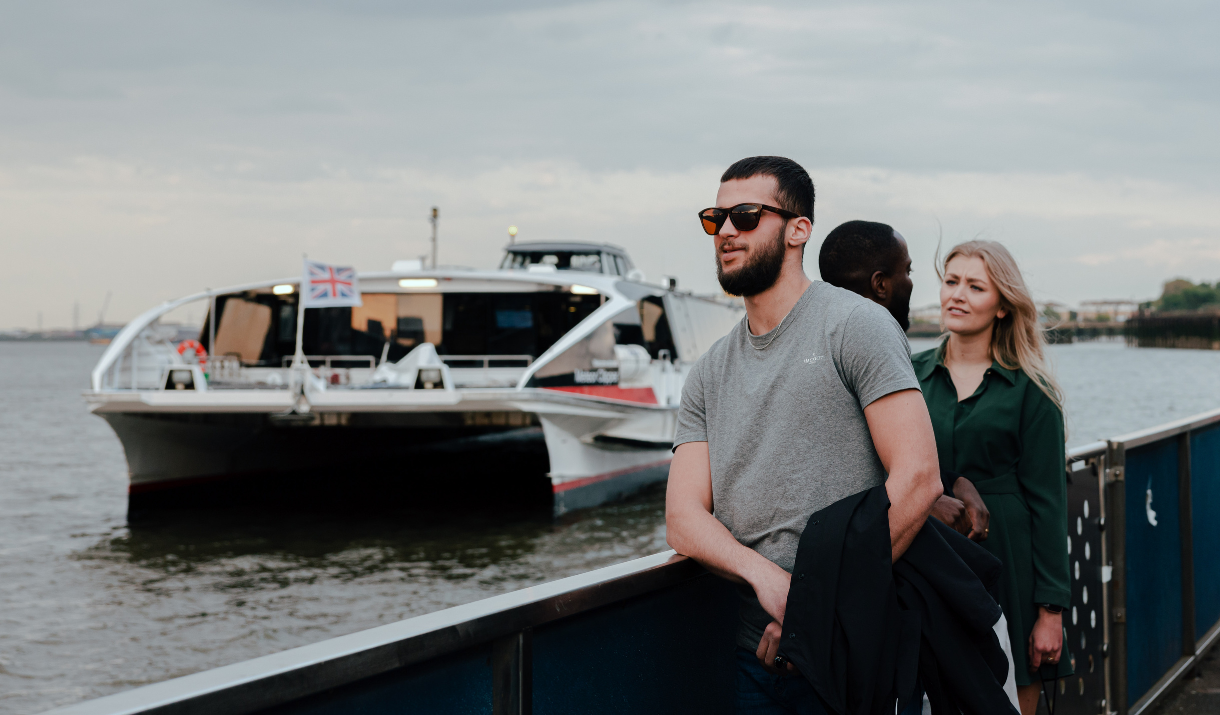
[(298, 356), (435, 215), (101, 316)]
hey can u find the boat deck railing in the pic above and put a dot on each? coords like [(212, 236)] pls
[(330, 362), (486, 362), (656, 635)]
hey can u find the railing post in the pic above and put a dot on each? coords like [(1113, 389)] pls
[(1116, 531), (512, 674), (1186, 532)]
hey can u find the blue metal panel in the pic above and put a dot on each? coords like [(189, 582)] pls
[(458, 684), (667, 652), (1154, 566), (1205, 510)]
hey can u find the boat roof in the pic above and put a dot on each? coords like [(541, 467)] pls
[(574, 246)]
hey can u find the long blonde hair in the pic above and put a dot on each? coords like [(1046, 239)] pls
[(1018, 340)]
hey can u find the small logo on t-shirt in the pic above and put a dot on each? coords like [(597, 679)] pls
[(812, 360)]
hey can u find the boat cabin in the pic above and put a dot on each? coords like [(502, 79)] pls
[(586, 257)]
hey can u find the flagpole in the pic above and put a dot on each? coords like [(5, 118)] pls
[(298, 357)]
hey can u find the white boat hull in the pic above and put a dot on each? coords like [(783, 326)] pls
[(188, 448)]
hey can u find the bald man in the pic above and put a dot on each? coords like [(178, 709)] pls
[(871, 259)]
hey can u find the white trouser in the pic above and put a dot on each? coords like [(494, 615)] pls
[(1010, 685)]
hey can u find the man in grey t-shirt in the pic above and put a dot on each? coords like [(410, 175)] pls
[(810, 399)]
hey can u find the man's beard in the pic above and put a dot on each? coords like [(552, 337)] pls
[(759, 272), (900, 308)]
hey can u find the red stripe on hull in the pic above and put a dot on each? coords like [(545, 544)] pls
[(586, 481), (643, 395), (144, 487)]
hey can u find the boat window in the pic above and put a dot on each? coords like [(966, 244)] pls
[(377, 315), (655, 327), (242, 328), (261, 328), (588, 262), (410, 331), (627, 328), (287, 324), (419, 320), (510, 323)]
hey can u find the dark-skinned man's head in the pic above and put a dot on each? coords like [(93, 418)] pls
[(870, 259)]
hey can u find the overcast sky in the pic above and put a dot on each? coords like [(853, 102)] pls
[(154, 149)]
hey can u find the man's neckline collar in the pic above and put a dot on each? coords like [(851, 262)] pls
[(760, 342)]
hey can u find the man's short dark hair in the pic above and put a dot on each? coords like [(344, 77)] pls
[(854, 251), (794, 190)]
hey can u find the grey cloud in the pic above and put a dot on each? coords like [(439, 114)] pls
[(943, 85), (270, 98)]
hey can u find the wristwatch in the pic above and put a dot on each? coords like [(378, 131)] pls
[(1051, 608)]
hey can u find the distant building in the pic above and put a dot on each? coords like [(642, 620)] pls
[(1107, 310), (926, 314), (1052, 312)]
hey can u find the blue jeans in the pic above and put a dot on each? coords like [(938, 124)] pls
[(761, 693)]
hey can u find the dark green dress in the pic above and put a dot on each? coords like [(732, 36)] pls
[(1007, 438)]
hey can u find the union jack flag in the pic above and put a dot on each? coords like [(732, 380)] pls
[(328, 286)]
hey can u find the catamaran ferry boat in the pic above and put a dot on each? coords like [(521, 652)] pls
[(556, 377)]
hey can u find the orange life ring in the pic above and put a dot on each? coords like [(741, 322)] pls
[(200, 351)]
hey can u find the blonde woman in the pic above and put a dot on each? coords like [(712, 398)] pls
[(998, 417)]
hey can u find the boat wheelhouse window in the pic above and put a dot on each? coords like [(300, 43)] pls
[(260, 328), (584, 261)]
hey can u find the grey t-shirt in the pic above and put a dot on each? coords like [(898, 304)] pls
[(783, 416)]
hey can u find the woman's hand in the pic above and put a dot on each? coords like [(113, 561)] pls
[(980, 517), (953, 513), (1046, 642)]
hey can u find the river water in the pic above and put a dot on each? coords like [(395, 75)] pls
[(90, 606)]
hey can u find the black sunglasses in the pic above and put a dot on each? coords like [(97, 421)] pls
[(745, 217)]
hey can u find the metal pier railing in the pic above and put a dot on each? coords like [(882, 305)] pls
[(655, 635)]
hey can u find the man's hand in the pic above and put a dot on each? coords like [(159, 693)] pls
[(980, 517), (952, 513), (771, 586), (768, 648), (1046, 642)]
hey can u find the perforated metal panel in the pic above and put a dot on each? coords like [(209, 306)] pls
[(1083, 693)]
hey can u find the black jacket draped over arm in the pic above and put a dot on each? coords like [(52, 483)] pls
[(861, 629)]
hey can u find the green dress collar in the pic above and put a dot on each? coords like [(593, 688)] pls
[(925, 370)]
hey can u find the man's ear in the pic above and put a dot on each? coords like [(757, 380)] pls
[(880, 285), (798, 231)]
